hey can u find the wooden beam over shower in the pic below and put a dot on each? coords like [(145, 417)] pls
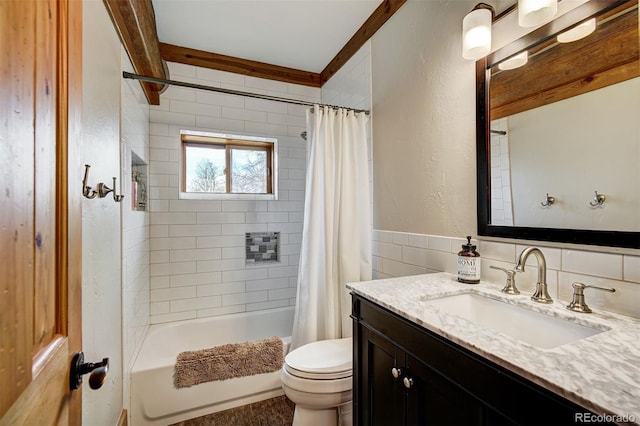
[(200, 58), (135, 23), (185, 55)]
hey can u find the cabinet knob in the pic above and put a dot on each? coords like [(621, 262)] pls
[(396, 372), (408, 382)]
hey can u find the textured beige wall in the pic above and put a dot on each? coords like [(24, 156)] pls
[(423, 101), (424, 174), (101, 260)]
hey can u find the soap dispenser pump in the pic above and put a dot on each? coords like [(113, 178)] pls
[(469, 263)]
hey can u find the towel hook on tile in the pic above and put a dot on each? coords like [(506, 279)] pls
[(598, 200), (549, 201), (102, 189)]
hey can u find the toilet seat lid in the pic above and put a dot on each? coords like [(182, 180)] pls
[(324, 359)]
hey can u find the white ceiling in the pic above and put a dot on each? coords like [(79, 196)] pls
[(301, 34)]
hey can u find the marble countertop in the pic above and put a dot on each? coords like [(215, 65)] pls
[(600, 372)]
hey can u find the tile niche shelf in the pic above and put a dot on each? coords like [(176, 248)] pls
[(138, 183), (262, 247)]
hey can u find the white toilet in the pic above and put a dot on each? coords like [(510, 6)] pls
[(317, 377)]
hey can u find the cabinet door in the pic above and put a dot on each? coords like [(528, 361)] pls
[(434, 400), (382, 399)]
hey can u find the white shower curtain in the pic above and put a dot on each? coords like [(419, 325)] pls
[(336, 239)]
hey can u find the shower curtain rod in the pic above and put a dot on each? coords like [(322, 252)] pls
[(231, 92)]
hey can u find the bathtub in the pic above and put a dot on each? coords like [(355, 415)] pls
[(155, 400)]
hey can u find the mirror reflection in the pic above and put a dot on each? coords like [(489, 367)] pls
[(564, 129), (586, 143)]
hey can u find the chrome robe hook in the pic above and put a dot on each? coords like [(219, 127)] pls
[(598, 200), (86, 190), (549, 200), (102, 189)]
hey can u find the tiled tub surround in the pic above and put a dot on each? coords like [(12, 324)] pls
[(154, 398), (600, 372), (134, 137), (197, 247), (397, 254)]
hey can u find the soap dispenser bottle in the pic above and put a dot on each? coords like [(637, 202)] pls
[(468, 263)]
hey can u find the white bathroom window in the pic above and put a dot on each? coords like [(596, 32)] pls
[(215, 165)]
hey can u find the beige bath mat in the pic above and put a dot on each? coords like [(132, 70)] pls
[(228, 361)]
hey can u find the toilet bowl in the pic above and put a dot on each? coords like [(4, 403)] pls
[(317, 377)]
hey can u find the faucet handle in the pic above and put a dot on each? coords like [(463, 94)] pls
[(578, 304), (510, 286)]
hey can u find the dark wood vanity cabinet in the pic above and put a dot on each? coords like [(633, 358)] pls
[(407, 375), (416, 396)]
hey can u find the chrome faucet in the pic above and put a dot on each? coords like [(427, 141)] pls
[(540, 295)]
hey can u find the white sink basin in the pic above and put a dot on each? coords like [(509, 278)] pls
[(537, 329)]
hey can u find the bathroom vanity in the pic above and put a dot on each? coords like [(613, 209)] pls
[(418, 360)]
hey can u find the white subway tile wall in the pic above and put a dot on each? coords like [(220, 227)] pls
[(351, 85), (501, 206), (197, 247), (134, 136), (399, 254)]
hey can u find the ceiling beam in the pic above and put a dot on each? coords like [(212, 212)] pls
[(379, 16), (216, 61), (200, 58), (135, 23)]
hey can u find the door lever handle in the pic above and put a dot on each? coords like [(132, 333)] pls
[(79, 368)]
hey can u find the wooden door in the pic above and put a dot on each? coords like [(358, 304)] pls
[(40, 209)]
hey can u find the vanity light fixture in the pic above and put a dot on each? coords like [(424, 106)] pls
[(476, 32), (514, 62), (532, 13), (580, 31)]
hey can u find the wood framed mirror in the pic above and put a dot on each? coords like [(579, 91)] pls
[(571, 150)]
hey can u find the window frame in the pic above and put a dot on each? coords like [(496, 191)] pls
[(228, 142)]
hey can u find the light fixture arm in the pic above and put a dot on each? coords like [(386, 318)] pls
[(487, 7)]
